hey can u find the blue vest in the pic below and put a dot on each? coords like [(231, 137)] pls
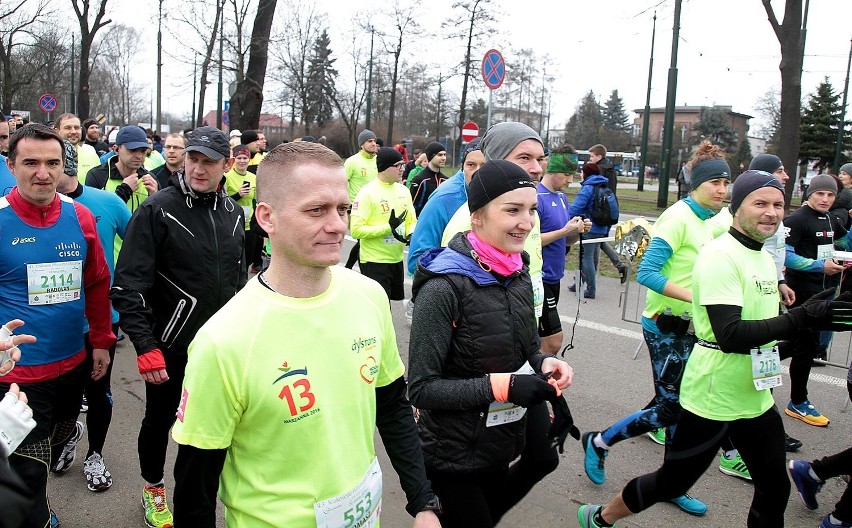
[(41, 275)]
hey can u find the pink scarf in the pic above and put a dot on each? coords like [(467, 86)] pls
[(498, 261)]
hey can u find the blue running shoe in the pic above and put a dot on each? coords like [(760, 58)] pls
[(594, 460), (586, 516), (690, 505), (54, 520), (807, 413), (805, 484), (826, 523)]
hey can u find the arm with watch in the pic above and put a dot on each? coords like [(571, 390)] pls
[(395, 422)]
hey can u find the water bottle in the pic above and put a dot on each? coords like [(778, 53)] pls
[(666, 321), (683, 324)]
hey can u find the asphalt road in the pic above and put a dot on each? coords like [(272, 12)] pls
[(609, 383)]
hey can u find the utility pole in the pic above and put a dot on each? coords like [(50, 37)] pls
[(73, 93), (646, 120), (370, 82), (193, 119), (668, 127), (219, 93), (159, 69), (840, 124)]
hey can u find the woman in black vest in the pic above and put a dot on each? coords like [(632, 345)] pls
[(475, 363)]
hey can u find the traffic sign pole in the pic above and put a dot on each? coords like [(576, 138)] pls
[(493, 73)]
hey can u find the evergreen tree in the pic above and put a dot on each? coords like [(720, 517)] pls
[(614, 115), (584, 127), (819, 126), (321, 81), (478, 113), (713, 124), (742, 158)]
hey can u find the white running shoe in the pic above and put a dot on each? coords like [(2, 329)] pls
[(69, 452), (98, 477), (409, 310)]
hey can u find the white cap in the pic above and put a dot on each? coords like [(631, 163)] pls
[(235, 133), (112, 136)]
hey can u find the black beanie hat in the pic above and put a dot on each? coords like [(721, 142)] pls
[(750, 181), (433, 148), (494, 178), (386, 158), (766, 163), (87, 123), (708, 169), (249, 136)]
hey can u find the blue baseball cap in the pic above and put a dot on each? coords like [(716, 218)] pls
[(132, 137)]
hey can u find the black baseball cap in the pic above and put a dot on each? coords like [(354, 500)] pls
[(209, 141)]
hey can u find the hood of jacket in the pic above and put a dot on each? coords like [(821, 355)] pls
[(595, 179)]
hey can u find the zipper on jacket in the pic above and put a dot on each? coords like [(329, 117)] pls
[(218, 255), (167, 331)]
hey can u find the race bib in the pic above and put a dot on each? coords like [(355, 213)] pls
[(389, 239), (766, 368), (500, 413), (538, 294), (54, 282), (825, 251), (359, 507), (246, 212)]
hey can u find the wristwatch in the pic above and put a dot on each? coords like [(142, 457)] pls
[(433, 505)]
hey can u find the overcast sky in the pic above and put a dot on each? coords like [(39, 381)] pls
[(728, 53)]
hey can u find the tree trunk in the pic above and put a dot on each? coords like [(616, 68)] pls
[(394, 80), (87, 38), (791, 38), (247, 101), (205, 64), (466, 78)]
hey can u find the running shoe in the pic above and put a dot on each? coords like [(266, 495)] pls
[(98, 477), (658, 436), (791, 444), (84, 405), (157, 514), (69, 452), (806, 485), (807, 413), (594, 460), (690, 505), (734, 467), (826, 523), (586, 516), (572, 288), (54, 520)]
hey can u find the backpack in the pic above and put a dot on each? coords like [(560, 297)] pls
[(604, 206)]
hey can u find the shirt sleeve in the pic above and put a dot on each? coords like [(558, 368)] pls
[(362, 211), (96, 280)]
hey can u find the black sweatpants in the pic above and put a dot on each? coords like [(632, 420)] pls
[(834, 466), (694, 447), (161, 403), (480, 499)]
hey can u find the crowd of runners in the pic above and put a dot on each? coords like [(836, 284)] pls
[(99, 240)]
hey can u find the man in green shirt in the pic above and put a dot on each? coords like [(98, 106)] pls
[(360, 168)]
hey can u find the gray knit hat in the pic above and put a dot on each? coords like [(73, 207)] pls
[(365, 136), (821, 182), (502, 138), (847, 168)]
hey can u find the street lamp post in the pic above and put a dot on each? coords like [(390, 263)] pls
[(668, 127), (841, 124), (370, 83), (160, 69)]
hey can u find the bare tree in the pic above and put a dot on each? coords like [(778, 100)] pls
[(474, 20), (84, 9), (791, 38), (292, 54), (120, 47), (768, 106), (349, 104), (404, 24), (44, 61), (17, 23), (247, 100)]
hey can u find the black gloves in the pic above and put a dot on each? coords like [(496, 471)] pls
[(563, 424), (527, 390), (395, 222), (822, 312)]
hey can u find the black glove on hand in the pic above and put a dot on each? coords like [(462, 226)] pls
[(821, 312), (563, 424), (527, 390), (395, 222)]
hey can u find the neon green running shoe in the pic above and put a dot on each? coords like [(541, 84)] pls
[(157, 514), (658, 436), (734, 467)]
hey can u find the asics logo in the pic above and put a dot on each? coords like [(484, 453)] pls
[(26, 240)]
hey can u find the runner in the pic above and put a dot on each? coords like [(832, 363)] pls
[(475, 363), (666, 269), (734, 363), (280, 416)]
